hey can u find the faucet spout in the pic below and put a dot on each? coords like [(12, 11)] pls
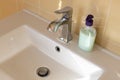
[(65, 21), (54, 25)]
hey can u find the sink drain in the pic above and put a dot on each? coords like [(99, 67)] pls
[(42, 71)]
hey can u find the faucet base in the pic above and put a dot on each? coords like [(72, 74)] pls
[(65, 40)]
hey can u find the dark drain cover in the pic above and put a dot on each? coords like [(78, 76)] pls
[(42, 71)]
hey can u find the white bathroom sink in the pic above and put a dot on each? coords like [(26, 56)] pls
[(24, 50)]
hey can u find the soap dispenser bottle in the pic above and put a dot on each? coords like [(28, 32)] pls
[(87, 35)]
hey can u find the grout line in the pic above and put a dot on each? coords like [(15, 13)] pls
[(25, 2), (107, 17)]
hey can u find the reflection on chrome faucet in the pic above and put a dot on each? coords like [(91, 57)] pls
[(65, 21)]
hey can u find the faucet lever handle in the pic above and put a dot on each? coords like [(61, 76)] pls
[(66, 10)]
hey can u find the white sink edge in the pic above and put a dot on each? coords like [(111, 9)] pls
[(96, 70)]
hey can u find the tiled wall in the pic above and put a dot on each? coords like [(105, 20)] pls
[(8, 7), (106, 14), (99, 8), (111, 36)]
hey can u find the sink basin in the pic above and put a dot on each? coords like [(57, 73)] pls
[(24, 50)]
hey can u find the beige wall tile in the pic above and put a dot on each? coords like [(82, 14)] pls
[(99, 8), (113, 26), (80, 7), (34, 3), (49, 6), (1, 14), (8, 7), (20, 4), (31, 8), (111, 46), (52, 5), (48, 15)]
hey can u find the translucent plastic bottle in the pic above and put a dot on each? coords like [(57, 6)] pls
[(87, 35)]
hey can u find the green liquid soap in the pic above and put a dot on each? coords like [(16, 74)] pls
[(87, 35), (87, 38)]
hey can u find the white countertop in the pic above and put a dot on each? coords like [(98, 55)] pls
[(99, 56)]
